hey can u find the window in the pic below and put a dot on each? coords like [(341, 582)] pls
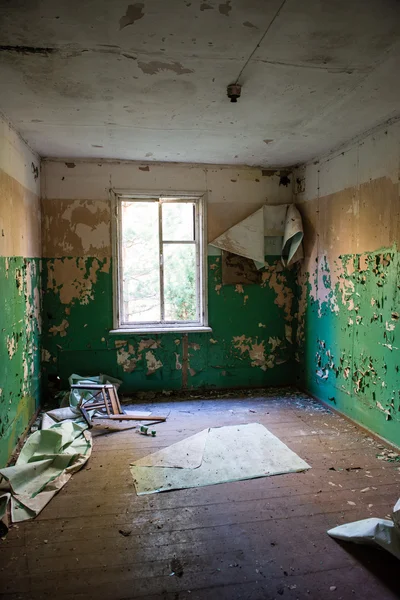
[(159, 252)]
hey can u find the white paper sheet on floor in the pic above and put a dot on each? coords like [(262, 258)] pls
[(373, 532), (231, 453)]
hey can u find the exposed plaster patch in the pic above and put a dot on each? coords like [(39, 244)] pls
[(194, 346), (61, 329), (153, 364), (134, 12), (74, 278), (156, 66), (178, 364), (212, 341), (386, 411), (239, 288), (151, 344), (277, 281), (11, 346), (127, 359), (77, 228), (19, 281), (274, 342), (218, 288), (120, 343), (255, 350), (92, 237)]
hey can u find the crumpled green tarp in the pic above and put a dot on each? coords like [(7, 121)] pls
[(49, 457), (47, 460)]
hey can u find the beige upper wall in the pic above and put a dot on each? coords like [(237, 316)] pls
[(373, 157), (20, 224), (76, 208), (350, 203)]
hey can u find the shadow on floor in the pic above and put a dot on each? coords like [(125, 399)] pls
[(379, 562)]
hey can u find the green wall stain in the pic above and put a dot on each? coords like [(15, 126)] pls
[(215, 360), (19, 348), (349, 355)]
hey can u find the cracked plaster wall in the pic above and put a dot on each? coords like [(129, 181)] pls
[(20, 321), (252, 339), (348, 340)]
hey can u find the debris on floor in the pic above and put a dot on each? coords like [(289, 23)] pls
[(125, 532), (144, 430), (376, 532), (59, 445), (176, 567), (215, 455), (97, 397), (46, 462)]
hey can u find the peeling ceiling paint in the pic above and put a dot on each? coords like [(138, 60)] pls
[(129, 81)]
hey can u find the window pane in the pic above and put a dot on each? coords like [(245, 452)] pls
[(140, 262), (178, 221), (180, 282)]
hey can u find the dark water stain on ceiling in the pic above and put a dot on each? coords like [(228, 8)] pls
[(134, 12), (155, 66), (225, 8)]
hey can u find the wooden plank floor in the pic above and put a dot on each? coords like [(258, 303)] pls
[(256, 540)]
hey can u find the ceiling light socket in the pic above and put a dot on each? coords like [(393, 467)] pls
[(234, 90)]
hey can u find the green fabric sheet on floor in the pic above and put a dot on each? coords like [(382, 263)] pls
[(47, 460), (215, 455)]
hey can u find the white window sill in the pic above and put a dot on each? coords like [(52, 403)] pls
[(142, 331)]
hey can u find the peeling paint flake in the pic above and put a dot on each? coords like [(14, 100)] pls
[(255, 351), (194, 346), (148, 344), (74, 278), (178, 364), (127, 359), (61, 329), (152, 363), (11, 346)]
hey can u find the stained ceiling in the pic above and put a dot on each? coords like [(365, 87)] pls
[(147, 81)]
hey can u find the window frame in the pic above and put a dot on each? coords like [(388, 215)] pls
[(198, 198)]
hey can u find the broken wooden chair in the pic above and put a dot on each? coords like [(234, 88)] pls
[(105, 397)]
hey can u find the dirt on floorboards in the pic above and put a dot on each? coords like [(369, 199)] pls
[(259, 539)]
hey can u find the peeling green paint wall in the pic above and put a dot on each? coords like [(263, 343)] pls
[(349, 354), (251, 342), (19, 348), (20, 273), (348, 325)]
